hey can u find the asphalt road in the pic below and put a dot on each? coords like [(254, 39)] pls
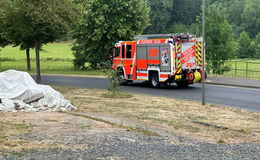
[(231, 96)]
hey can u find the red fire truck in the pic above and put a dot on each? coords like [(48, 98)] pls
[(160, 59)]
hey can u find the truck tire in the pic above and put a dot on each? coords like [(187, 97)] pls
[(129, 81), (154, 80), (120, 76), (182, 84)]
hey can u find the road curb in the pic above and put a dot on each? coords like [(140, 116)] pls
[(71, 75), (233, 85)]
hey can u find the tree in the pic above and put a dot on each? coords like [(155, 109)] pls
[(235, 10), (171, 15), (103, 23), (223, 2), (244, 15), (245, 49), (251, 17), (257, 45), (23, 22), (3, 42), (194, 28), (185, 11), (219, 37), (160, 16), (25, 44), (177, 28)]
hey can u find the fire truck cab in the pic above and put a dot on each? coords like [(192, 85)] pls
[(160, 59)]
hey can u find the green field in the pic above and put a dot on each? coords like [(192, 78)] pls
[(56, 58), (244, 69), (53, 50)]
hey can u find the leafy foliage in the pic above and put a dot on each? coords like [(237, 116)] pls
[(246, 48), (185, 11), (3, 42), (251, 17), (114, 89), (28, 20), (231, 18), (165, 15), (114, 80), (35, 22), (160, 16), (103, 23), (194, 28), (257, 45), (219, 37), (235, 11)]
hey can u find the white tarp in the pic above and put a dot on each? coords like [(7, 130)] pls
[(16, 86)]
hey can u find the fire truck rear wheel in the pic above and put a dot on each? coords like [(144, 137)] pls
[(182, 84), (129, 81), (154, 80)]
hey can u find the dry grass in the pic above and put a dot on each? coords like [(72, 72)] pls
[(127, 128), (217, 124), (11, 129), (14, 132), (12, 136)]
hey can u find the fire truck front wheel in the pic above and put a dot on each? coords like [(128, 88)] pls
[(154, 80), (120, 76)]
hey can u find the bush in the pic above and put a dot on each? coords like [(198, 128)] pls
[(114, 81), (114, 86)]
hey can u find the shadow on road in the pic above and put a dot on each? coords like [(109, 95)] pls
[(163, 87)]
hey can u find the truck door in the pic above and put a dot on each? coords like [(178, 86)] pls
[(188, 55), (129, 61)]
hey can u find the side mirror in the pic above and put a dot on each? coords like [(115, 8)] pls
[(114, 52)]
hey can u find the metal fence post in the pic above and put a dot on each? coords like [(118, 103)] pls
[(246, 69), (235, 68)]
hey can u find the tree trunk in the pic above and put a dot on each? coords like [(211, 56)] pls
[(28, 59), (38, 71)]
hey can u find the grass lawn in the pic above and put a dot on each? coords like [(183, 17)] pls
[(246, 68), (56, 58), (213, 123), (54, 50)]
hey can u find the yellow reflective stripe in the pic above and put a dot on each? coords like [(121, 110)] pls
[(179, 59), (178, 71), (179, 62), (179, 66), (198, 53), (179, 48)]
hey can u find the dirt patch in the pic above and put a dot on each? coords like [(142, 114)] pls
[(55, 135), (12, 133), (216, 124), (45, 130)]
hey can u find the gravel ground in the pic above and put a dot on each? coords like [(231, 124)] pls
[(81, 138), (125, 145)]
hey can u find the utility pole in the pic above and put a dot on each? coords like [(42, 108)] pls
[(203, 52)]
